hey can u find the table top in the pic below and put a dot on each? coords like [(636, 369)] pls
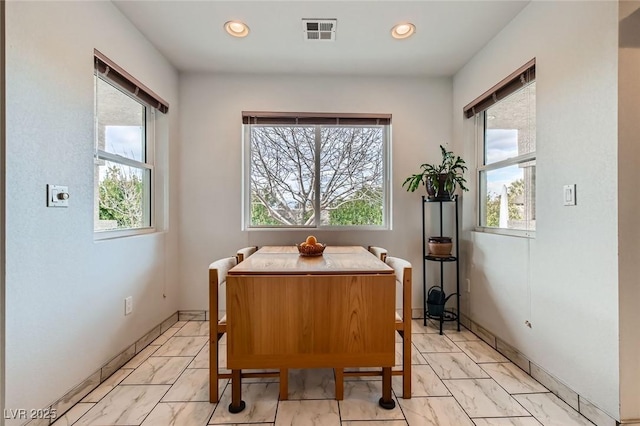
[(336, 260)]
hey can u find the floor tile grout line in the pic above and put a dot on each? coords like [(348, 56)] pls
[(548, 391), (334, 392), (461, 407), (515, 393), (565, 402), (502, 417), (496, 382), (216, 405), (511, 397), (143, 384), (541, 384), (156, 404), (457, 402), (539, 393), (115, 386), (404, 416), (275, 415), (490, 378)]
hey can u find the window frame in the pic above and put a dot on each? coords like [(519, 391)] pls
[(481, 167), (149, 187), (386, 181), (480, 120)]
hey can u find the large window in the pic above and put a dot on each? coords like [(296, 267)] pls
[(301, 173), (124, 153), (506, 128)]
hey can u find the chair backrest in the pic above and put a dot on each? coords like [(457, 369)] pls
[(243, 253), (379, 252), (402, 269), (217, 277)]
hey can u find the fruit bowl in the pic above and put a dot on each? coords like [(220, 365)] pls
[(310, 249)]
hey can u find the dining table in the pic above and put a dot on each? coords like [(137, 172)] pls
[(286, 310)]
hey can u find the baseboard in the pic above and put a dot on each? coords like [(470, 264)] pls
[(84, 388), (193, 315), (555, 385)]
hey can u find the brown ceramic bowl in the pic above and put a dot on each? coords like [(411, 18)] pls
[(440, 246), (439, 239)]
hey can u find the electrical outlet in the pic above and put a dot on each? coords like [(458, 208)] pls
[(128, 305)]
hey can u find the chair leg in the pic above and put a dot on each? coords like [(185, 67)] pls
[(406, 366), (339, 373), (214, 397), (284, 384)]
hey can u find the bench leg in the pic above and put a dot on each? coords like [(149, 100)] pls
[(237, 404), (386, 401)]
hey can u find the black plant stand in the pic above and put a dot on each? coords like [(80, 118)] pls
[(444, 315)]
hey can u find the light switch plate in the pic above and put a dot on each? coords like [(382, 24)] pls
[(570, 195), (57, 196), (128, 305)]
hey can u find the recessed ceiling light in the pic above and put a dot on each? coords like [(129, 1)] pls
[(236, 28), (403, 30)]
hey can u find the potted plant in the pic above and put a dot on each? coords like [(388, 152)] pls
[(440, 180)]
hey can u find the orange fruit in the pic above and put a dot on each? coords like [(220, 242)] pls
[(311, 240)]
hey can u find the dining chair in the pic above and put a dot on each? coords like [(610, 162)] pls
[(378, 252), (402, 269), (245, 252), (217, 280)]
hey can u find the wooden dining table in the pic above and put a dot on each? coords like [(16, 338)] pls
[(287, 311)]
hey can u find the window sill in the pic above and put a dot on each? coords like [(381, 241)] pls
[(122, 233), (319, 229), (518, 233)]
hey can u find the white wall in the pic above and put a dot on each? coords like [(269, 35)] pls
[(565, 280), (2, 204), (629, 200), (211, 165), (64, 291)]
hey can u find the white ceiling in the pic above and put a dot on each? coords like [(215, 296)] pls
[(448, 33)]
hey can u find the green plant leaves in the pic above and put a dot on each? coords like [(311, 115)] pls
[(453, 166)]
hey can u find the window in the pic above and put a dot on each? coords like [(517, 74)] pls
[(317, 171), (124, 149), (506, 128)]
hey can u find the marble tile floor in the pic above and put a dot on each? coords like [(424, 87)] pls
[(457, 380)]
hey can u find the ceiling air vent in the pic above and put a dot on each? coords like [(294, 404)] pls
[(319, 29)]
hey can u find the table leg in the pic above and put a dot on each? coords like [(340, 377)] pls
[(237, 404), (284, 384), (339, 376), (386, 401)]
